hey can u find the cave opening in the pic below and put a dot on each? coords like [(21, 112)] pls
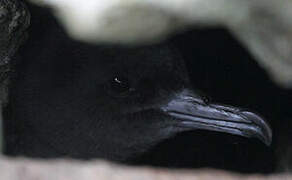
[(218, 66)]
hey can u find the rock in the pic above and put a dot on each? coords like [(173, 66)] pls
[(24, 169), (14, 20), (264, 26)]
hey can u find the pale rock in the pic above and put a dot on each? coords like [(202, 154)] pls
[(264, 26), (24, 169)]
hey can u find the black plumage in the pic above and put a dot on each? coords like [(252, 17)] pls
[(114, 103)]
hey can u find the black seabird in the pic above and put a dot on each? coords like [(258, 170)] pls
[(116, 103)]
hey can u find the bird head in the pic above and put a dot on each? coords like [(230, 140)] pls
[(115, 103)]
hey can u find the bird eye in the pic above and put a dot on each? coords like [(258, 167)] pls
[(3, 15), (120, 87)]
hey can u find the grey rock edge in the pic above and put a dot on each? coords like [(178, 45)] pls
[(14, 20), (264, 26), (25, 169)]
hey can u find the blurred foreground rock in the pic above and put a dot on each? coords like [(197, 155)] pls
[(24, 169), (264, 26)]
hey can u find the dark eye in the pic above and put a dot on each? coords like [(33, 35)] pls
[(3, 15), (120, 87)]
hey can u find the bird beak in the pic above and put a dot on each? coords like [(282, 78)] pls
[(191, 112)]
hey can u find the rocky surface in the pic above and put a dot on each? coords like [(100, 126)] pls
[(264, 26), (60, 169), (14, 21)]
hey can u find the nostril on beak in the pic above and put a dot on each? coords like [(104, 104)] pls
[(206, 99)]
